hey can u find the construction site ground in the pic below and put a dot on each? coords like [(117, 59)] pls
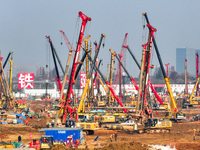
[(180, 136)]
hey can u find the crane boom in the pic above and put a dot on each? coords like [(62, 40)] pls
[(6, 60), (85, 19), (55, 63), (107, 83), (118, 73), (197, 72), (167, 80), (151, 86), (80, 108), (66, 40)]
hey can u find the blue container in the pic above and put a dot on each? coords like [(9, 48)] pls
[(63, 133)]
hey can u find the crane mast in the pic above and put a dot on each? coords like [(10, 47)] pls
[(177, 115), (81, 104), (150, 84), (111, 74), (108, 85), (85, 19), (147, 61), (118, 73), (167, 80), (68, 62)]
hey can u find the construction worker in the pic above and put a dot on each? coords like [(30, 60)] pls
[(19, 139), (111, 136), (86, 145), (194, 134), (115, 136)]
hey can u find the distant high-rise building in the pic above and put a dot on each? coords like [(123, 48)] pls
[(189, 54)]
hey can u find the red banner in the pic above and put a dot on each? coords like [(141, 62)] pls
[(83, 81), (25, 80)]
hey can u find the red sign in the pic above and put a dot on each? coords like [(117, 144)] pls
[(25, 80), (83, 81), (158, 85)]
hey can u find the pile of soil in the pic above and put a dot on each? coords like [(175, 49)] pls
[(125, 146), (37, 123)]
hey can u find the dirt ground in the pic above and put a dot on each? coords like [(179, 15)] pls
[(180, 136)]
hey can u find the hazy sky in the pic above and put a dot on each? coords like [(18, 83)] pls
[(25, 23)]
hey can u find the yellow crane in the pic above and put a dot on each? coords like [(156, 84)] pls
[(87, 63), (191, 101), (81, 104), (111, 74), (173, 114)]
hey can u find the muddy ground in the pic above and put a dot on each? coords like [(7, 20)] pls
[(180, 136)]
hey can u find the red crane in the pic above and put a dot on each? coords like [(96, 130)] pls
[(135, 84), (66, 40), (67, 107), (167, 65), (147, 61), (118, 73), (197, 91), (68, 60)]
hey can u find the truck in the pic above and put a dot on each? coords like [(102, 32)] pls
[(128, 123), (152, 125)]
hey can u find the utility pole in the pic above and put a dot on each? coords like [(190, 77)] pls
[(186, 87)]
